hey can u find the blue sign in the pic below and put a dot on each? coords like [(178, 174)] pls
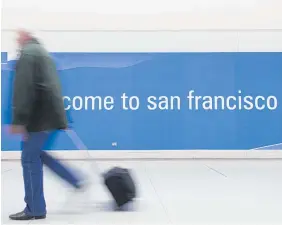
[(163, 101)]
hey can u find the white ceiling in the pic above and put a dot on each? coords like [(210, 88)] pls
[(131, 6)]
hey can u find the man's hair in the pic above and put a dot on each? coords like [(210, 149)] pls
[(25, 32)]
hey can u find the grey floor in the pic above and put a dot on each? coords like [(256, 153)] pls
[(171, 192)]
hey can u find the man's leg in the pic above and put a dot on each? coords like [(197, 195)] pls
[(57, 167), (33, 173), (62, 171), (33, 177)]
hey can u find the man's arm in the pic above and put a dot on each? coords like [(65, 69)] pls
[(23, 91)]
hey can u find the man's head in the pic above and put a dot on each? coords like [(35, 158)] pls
[(23, 36)]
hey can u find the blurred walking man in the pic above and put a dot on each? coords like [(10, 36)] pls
[(38, 111)]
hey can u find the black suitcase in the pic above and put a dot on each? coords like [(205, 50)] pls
[(121, 185)]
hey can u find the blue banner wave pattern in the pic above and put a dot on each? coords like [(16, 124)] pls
[(163, 74)]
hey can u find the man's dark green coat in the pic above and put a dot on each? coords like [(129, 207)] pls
[(37, 98)]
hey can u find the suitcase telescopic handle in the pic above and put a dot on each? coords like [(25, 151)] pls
[(76, 140), (81, 146)]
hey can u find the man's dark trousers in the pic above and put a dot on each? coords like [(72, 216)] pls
[(33, 159)]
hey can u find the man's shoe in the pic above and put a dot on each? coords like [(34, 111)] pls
[(23, 216)]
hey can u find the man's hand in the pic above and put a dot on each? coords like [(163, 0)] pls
[(18, 129)]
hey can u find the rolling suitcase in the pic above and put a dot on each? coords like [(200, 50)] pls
[(119, 181), (121, 185)]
